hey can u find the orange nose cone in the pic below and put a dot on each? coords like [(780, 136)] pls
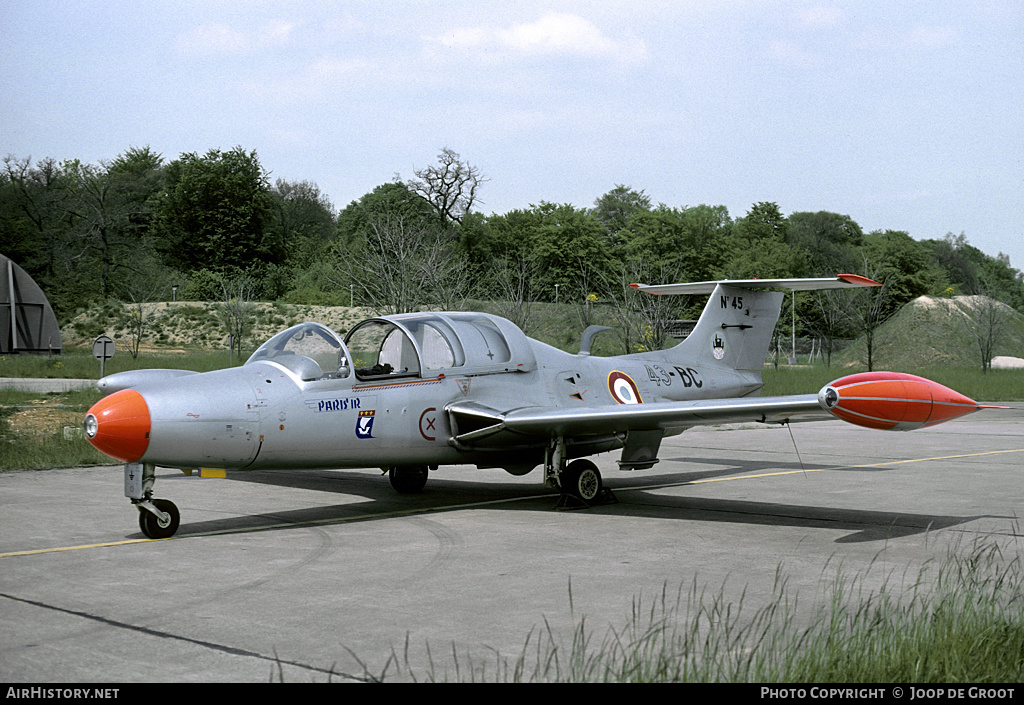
[(119, 425)]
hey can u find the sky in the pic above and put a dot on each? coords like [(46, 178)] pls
[(904, 115)]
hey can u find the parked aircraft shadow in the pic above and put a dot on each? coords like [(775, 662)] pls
[(634, 494), (865, 525)]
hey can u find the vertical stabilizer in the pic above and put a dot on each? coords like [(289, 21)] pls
[(736, 327), (734, 330)]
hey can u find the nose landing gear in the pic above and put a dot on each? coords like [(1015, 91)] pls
[(158, 518)]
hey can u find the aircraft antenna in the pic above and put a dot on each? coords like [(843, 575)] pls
[(793, 438)]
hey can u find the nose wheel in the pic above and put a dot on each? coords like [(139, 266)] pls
[(159, 524), (158, 518)]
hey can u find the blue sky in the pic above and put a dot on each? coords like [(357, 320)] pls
[(902, 115)]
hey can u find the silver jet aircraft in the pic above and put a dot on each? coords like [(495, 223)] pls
[(410, 392)]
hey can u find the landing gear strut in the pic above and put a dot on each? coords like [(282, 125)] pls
[(158, 518)]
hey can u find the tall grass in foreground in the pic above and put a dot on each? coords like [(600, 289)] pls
[(960, 621)]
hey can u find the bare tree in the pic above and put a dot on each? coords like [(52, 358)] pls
[(832, 321), (237, 311), (513, 281), (404, 267), (138, 320), (643, 319), (985, 319), (451, 186), (868, 309), (138, 317), (444, 273)]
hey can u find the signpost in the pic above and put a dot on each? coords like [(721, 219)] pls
[(103, 349)]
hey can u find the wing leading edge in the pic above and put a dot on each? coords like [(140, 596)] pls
[(475, 424), (843, 281)]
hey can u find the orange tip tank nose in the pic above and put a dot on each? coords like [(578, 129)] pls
[(894, 401), (119, 425)]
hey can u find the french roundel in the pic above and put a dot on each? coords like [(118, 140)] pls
[(623, 388)]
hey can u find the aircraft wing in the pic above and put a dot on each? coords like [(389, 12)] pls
[(843, 281), (475, 424)]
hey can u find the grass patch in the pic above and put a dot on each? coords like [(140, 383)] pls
[(80, 364), (995, 385), (42, 431), (959, 621)]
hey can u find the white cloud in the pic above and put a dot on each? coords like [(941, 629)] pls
[(554, 33)]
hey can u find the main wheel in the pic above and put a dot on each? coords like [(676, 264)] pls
[(154, 528), (582, 479), (408, 479)]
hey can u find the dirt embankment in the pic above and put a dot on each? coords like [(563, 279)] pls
[(193, 324)]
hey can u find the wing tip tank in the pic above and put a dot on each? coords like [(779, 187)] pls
[(893, 401)]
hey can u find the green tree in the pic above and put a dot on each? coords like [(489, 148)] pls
[(217, 213), (763, 222), (830, 241), (568, 242), (904, 265), (691, 242), (305, 218), (109, 210), (33, 219), (617, 208), (82, 230), (757, 247), (392, 201), (971, 271)]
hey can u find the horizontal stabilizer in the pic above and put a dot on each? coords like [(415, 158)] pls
[(843, 281)]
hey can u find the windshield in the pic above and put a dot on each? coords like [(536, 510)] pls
[(310, 350)]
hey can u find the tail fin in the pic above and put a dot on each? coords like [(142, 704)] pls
[(734, 330), (736, 326)]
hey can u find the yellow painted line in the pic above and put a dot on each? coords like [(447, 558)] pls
[(866, 465), (76, 548), (834, 467), (287, 525)]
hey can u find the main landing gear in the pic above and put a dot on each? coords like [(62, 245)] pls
[(580, 481), (158, 518), (408, 479)]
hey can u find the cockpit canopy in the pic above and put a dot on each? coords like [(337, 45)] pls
[(309, 350), (406, 345), (426, 344)]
